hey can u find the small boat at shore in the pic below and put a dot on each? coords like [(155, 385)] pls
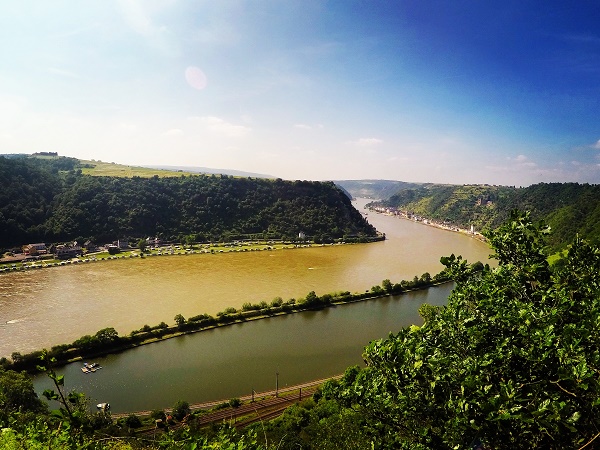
[(87, 368), (103, 406)]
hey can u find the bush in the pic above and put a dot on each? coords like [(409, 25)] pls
[(181, 409), (133, 421)]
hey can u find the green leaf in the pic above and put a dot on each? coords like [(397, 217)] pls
[(50, 394)]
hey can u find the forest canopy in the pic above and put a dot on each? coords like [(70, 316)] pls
[(513, 360), (51, 200), (570, 209)]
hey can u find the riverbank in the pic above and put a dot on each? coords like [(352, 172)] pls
[(13, 265), (430, 222), (107, 341)]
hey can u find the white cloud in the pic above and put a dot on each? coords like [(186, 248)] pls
[(597, 145), (523, 161), (302, 126), (138, 15), (220, 126), (173, 132), (367, 142)]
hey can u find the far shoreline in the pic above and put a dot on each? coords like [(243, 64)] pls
[(177, 249)]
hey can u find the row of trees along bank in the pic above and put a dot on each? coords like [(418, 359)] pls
[(107, 340)]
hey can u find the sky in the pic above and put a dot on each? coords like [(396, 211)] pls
[(424, 91)]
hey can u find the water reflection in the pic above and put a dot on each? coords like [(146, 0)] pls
[(231, 361)]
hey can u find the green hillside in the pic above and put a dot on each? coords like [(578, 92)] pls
[(570, 209), (375, 189), (50, 199)]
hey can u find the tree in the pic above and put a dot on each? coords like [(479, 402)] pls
[(17, 394), (311, 298), (387, 286), (107, 336), (133, 421), (74, 409), (179, 320), (513, 360), (142, 244), (181, 409)]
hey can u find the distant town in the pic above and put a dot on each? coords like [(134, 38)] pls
[(41, 251)]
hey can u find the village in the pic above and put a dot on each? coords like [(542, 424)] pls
[(445, 225), (64, 251)]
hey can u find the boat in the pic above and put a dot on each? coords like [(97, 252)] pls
[(87, 368), (103, 406)]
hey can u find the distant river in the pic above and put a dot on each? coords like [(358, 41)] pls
[(59, 305), (52, 306)]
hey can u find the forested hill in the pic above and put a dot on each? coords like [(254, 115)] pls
[(569, 208), (375, 189), (50, 200)]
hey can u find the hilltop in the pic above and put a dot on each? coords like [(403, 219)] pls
[(52, 198), (570, 209)]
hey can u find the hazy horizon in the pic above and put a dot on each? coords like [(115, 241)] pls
[(416, 91)]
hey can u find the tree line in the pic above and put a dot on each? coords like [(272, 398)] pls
[(49, 199), (570, 209), (107, 340)]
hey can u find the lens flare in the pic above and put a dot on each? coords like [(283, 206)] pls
[(195, 77)]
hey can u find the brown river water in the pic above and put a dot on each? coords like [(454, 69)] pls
[(58, 305)]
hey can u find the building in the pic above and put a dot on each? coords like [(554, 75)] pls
[(67, 251), (90, 246), (35, 249)]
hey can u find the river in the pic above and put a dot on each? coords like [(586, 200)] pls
[(229, 362), (46, 307), (58, 305)]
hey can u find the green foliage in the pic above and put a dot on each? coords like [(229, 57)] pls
[(570, 209), (512, 360), (235, 402), (319, 424), (40, 203), (107, 336), (158, 414), (17, 396), (181, 409), (225, 439), (29, 186), (311, 299), (179, 320), (387, 286), (133, 421)]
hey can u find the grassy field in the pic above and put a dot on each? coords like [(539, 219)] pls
[(103, 169)]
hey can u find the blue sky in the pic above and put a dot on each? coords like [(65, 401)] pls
[(431, 91)]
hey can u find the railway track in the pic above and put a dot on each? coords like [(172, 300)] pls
[(249, 413), (244, 399), (266, 406)]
